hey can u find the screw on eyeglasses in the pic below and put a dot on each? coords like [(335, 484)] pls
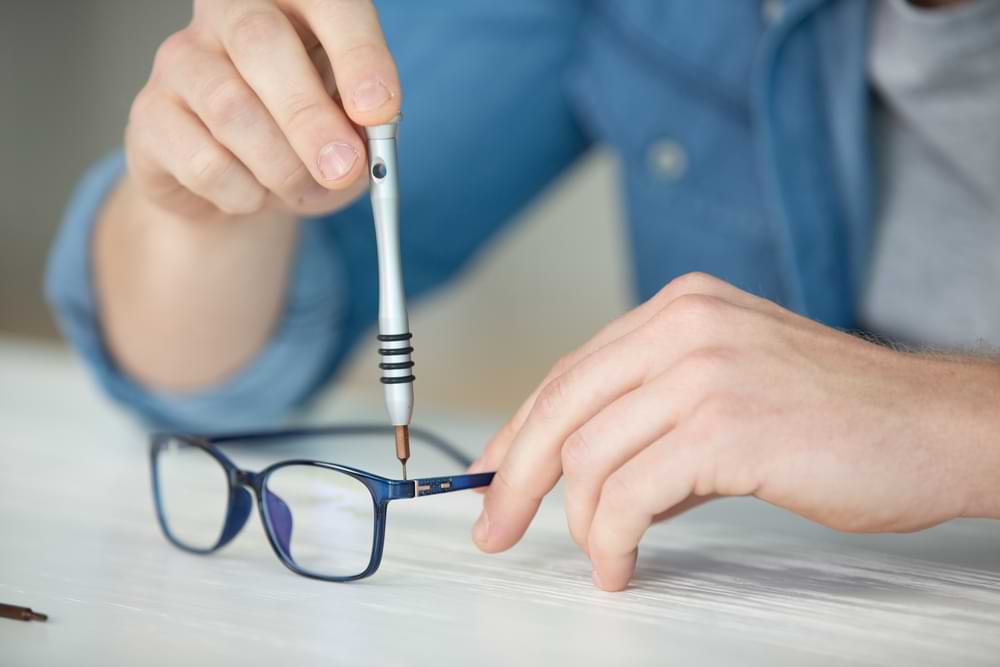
[(21, 613)]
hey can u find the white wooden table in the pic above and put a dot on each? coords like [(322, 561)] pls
[(734, 582)]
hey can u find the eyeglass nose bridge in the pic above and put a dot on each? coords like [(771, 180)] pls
[(247, 478), (278, 510), (241, 505)]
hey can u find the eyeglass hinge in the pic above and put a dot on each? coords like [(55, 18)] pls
[(426, 487)]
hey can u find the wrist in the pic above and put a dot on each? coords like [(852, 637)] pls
[(972, 445), (135, 233), (185, 303)]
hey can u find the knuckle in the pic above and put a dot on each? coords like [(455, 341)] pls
[(225, 100), (599, 545), (329, 7), (618, 493), (511, 486), (227, 207), (139, 111), (366, 42), (705, 363), (208, 166), (200, 6), (358, 54), (712, 413), (576, 453), (506, 434), (242, 207), (253, 29), (141, 165), (299, 110), (252, 203), (257, 203), (694, 282), (550, 398), (171, 49), (291, 183), (697, 310), (563, 364), (326, 6)]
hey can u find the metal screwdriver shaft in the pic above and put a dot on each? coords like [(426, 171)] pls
[(21, 613), (403, 446), (393, 324)]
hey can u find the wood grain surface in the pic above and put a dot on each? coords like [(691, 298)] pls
[(735, 582)]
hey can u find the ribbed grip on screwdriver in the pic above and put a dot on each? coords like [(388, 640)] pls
[(395, 350)]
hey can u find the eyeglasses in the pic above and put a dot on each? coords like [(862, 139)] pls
[(323, 520)]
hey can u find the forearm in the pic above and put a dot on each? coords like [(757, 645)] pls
[(184, 304)]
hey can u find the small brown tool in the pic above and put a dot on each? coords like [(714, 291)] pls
[(403, 446), (20, 613)]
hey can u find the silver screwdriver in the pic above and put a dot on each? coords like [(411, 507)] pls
[(395, 339)]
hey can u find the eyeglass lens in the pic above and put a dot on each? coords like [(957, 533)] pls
[(323, 519), (193, 494)]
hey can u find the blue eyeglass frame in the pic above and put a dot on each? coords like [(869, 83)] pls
[(240, 503)]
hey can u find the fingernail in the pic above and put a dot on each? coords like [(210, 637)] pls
[(481, 531), (597, 579), (336, 160), (474, 466), (370, 95)]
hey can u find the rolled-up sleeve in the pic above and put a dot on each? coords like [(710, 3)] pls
[(296, 358)]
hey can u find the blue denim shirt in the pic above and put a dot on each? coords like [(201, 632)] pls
[(768, 184)]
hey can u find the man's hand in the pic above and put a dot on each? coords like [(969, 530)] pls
[(239, 123), (708, 391), (255, 103)]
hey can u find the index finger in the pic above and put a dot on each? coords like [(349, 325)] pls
[(533, 464), (365, 72), (267, 51)]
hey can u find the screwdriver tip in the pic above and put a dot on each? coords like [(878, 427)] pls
[(403, 446)]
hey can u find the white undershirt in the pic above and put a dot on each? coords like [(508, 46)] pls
[(935, 277)]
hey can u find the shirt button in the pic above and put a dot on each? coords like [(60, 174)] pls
[(772, 11), (667, 159)]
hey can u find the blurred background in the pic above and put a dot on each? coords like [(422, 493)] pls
[(68, 73)]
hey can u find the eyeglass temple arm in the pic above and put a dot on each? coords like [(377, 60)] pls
[(429, 486)]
